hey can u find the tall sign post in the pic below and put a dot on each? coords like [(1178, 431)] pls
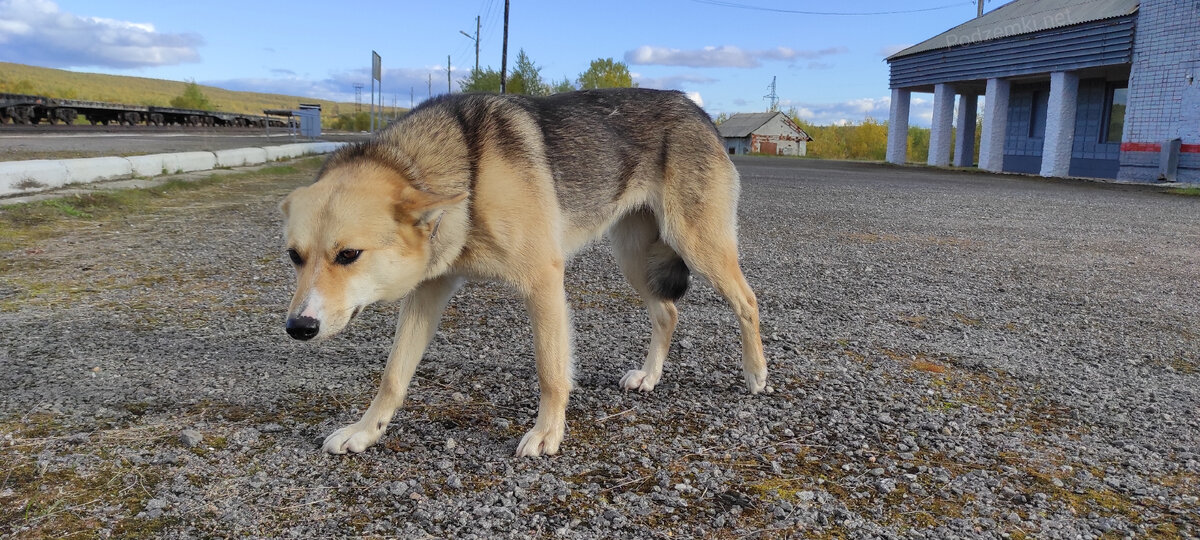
[(376, 72)]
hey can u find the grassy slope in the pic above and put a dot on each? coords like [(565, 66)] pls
[(142, 91)]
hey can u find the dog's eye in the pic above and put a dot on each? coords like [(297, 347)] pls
[(347, 256), (295, 256)]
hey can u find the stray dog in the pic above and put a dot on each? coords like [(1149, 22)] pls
[(506, 188)]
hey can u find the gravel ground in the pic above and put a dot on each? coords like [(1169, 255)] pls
[(952, 354)]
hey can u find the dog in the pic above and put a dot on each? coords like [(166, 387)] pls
[(506, 188)]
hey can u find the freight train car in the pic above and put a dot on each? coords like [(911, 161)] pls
[(33, 110)]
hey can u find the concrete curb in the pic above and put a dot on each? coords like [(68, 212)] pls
[(26, 177)]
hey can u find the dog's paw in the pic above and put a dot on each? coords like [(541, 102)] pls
[(637, 379), (352, 438), (756, 382), (541, 442)]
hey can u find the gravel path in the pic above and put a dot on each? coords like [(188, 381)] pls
[(953, 355)]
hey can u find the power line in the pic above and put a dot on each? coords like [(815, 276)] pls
[(722, 3), (491, 19)]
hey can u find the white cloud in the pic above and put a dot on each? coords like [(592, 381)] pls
[(38, 32), (723, 56), (695, 96), (670, 82), (340, 86)]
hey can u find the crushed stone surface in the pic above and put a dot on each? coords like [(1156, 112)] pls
[(951, 354)]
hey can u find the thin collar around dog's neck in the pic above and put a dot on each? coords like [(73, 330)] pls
[(436, 224)]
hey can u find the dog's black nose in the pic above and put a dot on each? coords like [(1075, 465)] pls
[(303, 328)]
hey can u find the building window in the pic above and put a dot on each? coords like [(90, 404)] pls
[(1037, 114), (1114, 122)]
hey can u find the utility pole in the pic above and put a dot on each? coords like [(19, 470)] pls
[(504, 51), (979, 12), (430, 83), (448, 89), (476, 38), (410, 97)]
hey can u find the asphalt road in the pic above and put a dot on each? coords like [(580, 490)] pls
[(65, 142)]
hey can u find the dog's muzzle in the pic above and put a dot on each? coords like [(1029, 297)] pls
[(303, 328)]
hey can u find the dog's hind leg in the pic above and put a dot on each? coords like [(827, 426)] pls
[(658, 274), (546, 300), (419, 317), (700, 223)]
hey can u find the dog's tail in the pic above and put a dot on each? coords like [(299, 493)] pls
[(667, 274)]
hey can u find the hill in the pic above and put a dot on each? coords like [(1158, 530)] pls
[(23, 79)]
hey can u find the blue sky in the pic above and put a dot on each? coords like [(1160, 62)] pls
[(829, 63)]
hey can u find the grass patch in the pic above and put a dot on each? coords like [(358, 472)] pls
[(1185, 191), (50, 500), (1184, 366), (928, 367), (966, 320), (26, 223)]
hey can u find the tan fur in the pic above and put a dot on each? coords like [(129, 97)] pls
[(425, 225)]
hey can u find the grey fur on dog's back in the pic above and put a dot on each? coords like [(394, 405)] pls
[(595, 136), (598, 145)]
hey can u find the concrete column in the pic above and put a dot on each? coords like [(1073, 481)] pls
[(995, 125), (897, 148), (964, 138), (1060, 124), (943, 119)]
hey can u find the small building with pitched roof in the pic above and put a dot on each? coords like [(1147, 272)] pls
[(770, 133)]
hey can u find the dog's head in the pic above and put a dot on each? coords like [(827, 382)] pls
[(359, 235)]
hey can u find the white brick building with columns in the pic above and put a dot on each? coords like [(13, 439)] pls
[(1091, 88)]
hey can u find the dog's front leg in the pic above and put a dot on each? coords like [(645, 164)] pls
[(419, 317), (547, 305)]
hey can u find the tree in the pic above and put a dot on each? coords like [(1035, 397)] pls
[(564, 85), (527, 78), (605, 73), (192, 98), (359, 121), (481, 80)]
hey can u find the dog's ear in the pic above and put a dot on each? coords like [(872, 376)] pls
[(286, 203), (417, 207)]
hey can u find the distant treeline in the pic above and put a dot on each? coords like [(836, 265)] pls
[(868, 140)]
